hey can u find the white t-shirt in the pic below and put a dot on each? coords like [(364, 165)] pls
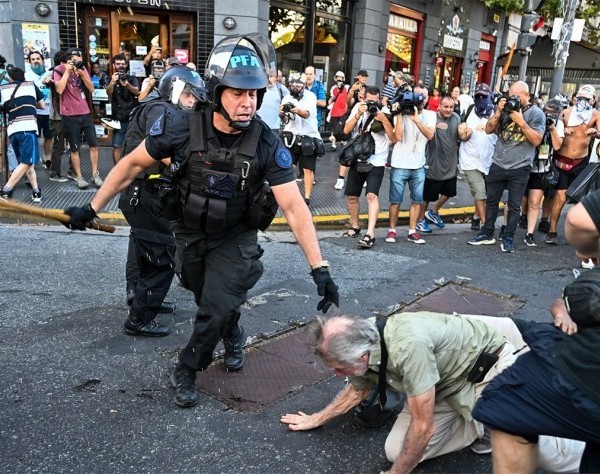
[(465, 101), (476, 153), (299, 126), (410, 152), (382, 142), (44, 89)]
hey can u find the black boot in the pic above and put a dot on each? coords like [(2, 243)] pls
[(167, 307), (234, 353), (184, 381), (136, 327)]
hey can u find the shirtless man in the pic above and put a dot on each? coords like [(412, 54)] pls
[(581, 125)]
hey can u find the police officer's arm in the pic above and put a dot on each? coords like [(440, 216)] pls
[(347, 399), (299, 219), (420, 431), (121, 175)]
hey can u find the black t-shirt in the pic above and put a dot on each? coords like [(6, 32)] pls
[(578, 356)]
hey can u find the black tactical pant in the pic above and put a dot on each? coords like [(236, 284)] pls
[(150, 264), (219, 272)]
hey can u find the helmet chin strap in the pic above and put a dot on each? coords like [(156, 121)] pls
[(236, 125)]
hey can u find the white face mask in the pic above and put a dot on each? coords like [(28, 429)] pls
[(340, 82), (583, 106)]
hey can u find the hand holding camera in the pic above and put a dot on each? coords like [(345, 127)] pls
[(287, 108)]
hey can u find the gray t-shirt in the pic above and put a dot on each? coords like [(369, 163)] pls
[(513, 150), (442, 149)]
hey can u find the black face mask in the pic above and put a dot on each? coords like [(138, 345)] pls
[(296, 94)]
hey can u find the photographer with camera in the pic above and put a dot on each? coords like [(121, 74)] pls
[(520, 128), (301, 131), (538, 186), (123, 91), (151, 83), (368, 116), (73, 84), (414, 127), (356, 93)]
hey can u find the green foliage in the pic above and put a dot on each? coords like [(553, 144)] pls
[(507, 6)]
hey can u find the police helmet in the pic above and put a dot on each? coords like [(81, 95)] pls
[(240, 62), (176, 80)]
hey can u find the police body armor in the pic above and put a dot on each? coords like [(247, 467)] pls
[(214, 189)]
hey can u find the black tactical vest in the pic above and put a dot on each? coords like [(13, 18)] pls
[(216, 181)]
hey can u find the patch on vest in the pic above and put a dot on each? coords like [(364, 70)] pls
[(158, 127), (283, 158)]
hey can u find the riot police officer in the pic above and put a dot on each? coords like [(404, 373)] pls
[(150, 266), (226, 154)]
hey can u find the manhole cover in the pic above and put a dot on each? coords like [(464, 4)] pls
[(286, 365), (453, 297), (272, 372)]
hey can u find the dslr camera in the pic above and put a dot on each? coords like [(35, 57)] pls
[(550, 120), (513, 104), (78, 64), (287, 108), (373, 106)]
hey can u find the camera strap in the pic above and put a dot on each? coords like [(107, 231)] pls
[(381, 385), (366, 123)]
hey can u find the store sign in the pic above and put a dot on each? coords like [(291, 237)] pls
[(453, 42), (484, 45), (403, 23), (150, 3)]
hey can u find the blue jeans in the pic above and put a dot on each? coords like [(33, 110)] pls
[(416, 182), (497, 180)]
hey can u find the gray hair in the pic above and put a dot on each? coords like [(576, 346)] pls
[(344, 339)]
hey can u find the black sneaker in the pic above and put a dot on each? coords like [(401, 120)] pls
[(36, 196), (522, 221), (544, 226), (133, 327), (552, 238), (482, 239), (184, 381), (167, 307), (234, 352), (6, 194), (475, 224), (529, 240)]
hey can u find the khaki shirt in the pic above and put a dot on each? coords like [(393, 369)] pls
[(431, 349)]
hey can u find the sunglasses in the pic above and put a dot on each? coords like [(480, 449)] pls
[(481, 96), (587, 99), (76, 53)]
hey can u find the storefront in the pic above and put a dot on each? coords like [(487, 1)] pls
[(404, 40), (108, 27), (311, 33), (485, 59)]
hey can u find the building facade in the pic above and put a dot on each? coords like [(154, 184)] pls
[(443, 43)]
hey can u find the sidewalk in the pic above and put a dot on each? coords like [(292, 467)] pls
[(327, 204)]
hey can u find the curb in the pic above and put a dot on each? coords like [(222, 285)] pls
[(328, 222)]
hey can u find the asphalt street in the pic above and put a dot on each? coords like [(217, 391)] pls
[(77, 395)]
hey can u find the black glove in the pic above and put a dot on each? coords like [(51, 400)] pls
[(80, 216), (326, 288)]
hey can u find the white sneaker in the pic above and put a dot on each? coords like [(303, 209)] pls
[(339, 184), (589, 263), (109, 123), (97, 180), (82, 183)]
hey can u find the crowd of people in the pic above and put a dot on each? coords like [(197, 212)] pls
[(195, 202)]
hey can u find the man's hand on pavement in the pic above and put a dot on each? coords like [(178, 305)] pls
[(80, 217), (299, 422), (326, 288)]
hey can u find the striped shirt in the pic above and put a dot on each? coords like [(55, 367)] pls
[(23, 108)]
